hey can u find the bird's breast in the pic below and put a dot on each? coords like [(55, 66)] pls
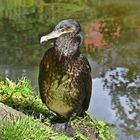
[(60, 85), (62, 96)]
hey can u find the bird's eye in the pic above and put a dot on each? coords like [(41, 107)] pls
[(62, 30)]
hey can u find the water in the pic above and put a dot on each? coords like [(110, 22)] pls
[(116, 101), (112, 45)]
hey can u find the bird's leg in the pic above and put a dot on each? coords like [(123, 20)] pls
[(64, 127), (68, 128)]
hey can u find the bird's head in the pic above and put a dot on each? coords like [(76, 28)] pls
[(67, 34)]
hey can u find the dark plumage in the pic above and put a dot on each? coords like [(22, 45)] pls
[(64, 77)]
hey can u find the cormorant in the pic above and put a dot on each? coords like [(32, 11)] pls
[(64, 75)]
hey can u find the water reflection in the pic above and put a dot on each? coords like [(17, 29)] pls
[(116, 100), (99, 35), (125, 95), (16, 72)]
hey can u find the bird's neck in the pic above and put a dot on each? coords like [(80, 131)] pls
[(66, 46)]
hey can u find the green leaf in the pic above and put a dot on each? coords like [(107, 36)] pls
[(101, 123), (81, 136)]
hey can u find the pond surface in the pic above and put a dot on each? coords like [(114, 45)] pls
[(112, 45)]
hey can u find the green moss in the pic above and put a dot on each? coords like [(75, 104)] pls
[(21, 96)]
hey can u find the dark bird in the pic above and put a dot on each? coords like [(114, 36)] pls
[(64, 76)]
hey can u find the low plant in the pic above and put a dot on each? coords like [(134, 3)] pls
[(21, 96)]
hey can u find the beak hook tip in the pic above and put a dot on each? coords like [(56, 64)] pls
[(42, 40)]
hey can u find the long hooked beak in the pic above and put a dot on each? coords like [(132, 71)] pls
[(54, 34)]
